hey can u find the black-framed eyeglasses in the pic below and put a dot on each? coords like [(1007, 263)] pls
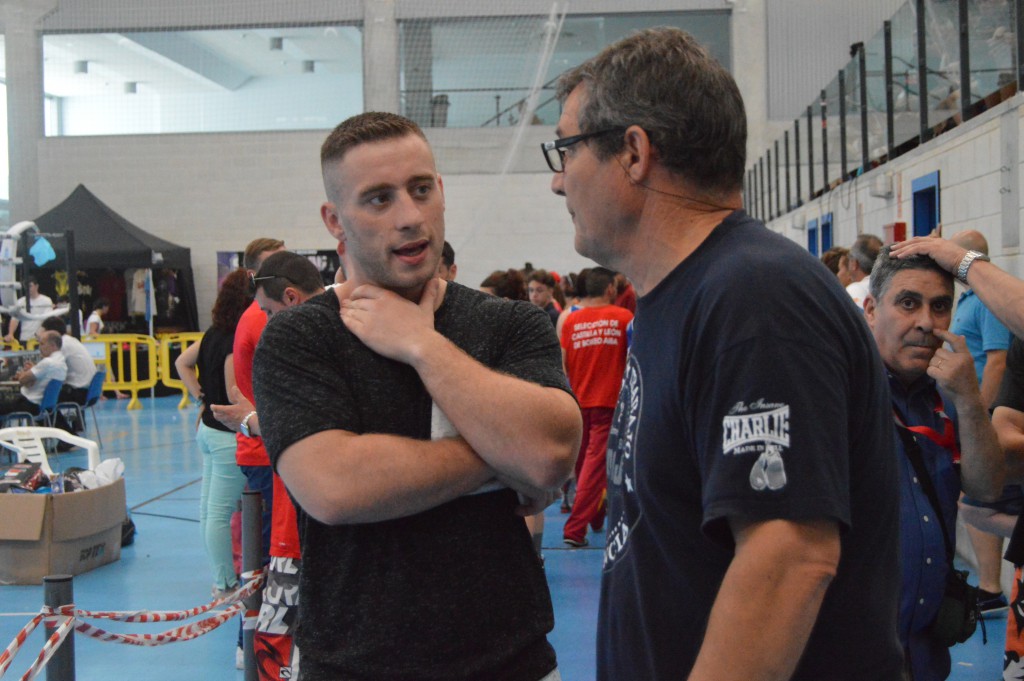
[(254, 280), (554, 151)]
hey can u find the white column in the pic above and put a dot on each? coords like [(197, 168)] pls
[(380, 56)]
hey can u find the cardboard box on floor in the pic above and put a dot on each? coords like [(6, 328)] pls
[(49, 534)]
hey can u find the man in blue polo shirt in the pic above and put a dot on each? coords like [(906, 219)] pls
[(940, 420)]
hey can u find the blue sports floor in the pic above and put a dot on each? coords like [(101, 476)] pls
[(166, 570)]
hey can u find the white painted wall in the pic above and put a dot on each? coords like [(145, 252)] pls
[(979, 188)]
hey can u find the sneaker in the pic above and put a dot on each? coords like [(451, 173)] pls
[(239, 658), (991, 604), (576, 543)]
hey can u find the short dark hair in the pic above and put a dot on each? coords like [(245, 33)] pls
[(256, 248), (288, 269), (234, 297), (372, 126), (598, 281), (865, 250), (54, 324), (664, 81), (447, 254), (100, 303), (542, 277), (887, 266), (507, 284)]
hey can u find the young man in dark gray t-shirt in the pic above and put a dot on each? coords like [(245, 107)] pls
[(404, 415)]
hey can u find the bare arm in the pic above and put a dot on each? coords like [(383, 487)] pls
[(12, 329), (988, 519), (25, 377), (229, 373), (341, 478), (772, 590), (981, 458), (1002, 293), (186, 366), (992, 376), (527, 433), (1009, 426)]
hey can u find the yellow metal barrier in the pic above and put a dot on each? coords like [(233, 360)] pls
[(122, 360), (168, 373)]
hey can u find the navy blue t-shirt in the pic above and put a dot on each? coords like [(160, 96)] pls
[(753, 390)]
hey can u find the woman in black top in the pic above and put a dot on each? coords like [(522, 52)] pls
[(222, 478)]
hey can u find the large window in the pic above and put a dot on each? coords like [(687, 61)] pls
[(480, 72), (287, 78)]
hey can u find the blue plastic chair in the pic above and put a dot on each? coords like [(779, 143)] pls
[(47, 409), (72, 411)]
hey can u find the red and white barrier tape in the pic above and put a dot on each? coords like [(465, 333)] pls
[(68, 613), (254, 582), (182, 633), (7, 657), (49, 648)]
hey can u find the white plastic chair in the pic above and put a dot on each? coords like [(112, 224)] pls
[(27, 444)]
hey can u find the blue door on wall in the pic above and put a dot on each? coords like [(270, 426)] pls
[(926, 204), (826, 232), (812, 236)]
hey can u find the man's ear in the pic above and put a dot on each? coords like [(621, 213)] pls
[(329, 214), (870, 307), (637, 154)]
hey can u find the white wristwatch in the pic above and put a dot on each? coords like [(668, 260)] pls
[(243, 427), (965, 264)]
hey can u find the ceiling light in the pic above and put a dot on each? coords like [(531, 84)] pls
[(277, 43), (82, 66), (308, 66), (131, 87)]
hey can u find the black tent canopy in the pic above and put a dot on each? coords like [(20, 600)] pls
[(103, 239)]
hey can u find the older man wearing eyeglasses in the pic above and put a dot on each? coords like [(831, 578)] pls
[(752, 521)]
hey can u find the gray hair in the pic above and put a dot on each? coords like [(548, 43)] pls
[(865, 250), (662, 80), (886, 268)]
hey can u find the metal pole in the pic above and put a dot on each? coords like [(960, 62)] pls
[(824, 140), (72, 265), (59, 590), (842, 124), (768, 196), (1018, 6), (25, 274), (789, 201), (778, 182), (965, 62), (252, 549), (862, 68), (810, 151), (890, 124), (922, 73), (760, 190), (796, 154)]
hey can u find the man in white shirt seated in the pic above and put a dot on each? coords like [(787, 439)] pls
[(39, 304), (81, 367), (35, 377)]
